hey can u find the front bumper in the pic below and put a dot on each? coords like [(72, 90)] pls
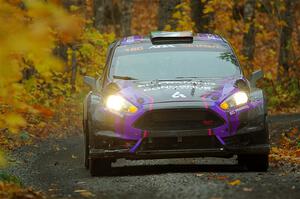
[(244, 132), (175, 145)]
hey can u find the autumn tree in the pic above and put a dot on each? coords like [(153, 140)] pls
[(249, 34), (125, 19), (165, 11), (105, 15), (29, 32), (200, 18), (144, 16), (113, 16), (284, 59)]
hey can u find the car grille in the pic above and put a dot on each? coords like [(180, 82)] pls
[(178, 119), (169, 143)]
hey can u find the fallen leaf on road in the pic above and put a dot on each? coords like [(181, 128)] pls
[(247, 189), (282, 174), (297, 153), (222, 177), (274, 149), (293, 187), (84, 193), (87, 194), (56, 148), (234, 183), (79, 190), (15, 191)]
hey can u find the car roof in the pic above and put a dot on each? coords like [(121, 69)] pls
[(179, 36)]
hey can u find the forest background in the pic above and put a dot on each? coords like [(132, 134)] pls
[(47, 46)]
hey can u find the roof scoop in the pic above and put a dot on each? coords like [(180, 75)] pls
[(163, 37)]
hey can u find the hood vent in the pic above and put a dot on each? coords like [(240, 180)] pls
[(162, 37)]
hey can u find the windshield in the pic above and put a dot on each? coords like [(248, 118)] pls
[(159, 63)]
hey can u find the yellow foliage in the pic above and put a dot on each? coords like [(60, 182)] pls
[(3, 162), (14, 120), (28, 36), (43, 102), (91, 54), (235, 183), (182, 17)]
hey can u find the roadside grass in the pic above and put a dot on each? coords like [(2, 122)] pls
[(10, 179), (11, 187)]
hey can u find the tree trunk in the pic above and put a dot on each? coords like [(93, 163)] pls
[(201, 20), (67, 3), (125, 18), (113, 16), (237, 10), (103, 13), (165, 11), (286, 37), (249, 35), (74, 69)]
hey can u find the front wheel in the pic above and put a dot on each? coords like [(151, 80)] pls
[(99, 166), (254, 162), (86, 151)]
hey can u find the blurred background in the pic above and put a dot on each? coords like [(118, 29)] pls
[(47, 46)]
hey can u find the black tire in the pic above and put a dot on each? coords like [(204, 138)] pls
[(255, 162), (99, 166), (86, 152)]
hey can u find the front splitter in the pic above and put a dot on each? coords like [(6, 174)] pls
[(182, 153)]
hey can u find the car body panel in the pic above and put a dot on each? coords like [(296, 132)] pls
[(195, 93)]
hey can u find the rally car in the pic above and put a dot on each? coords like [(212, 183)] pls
[(174, 95)]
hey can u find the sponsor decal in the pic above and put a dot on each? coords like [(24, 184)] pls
[(134, 49), (172, 87), (206, 86), (161, 46), (178, 95), (210, 46)]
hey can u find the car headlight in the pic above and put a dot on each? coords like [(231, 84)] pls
[(119, 104), (237, 99)]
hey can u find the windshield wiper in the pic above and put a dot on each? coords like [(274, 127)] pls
[(124, 77), (187, 77)]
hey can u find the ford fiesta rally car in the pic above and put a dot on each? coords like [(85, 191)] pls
[(172, 95)]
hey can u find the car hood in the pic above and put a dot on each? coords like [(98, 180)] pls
[(160, 91)]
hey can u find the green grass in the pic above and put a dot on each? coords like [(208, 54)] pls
[(8, 178)]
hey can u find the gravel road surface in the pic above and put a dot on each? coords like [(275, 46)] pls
[(55, 166)]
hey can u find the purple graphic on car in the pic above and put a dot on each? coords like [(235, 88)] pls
[(209, 100)]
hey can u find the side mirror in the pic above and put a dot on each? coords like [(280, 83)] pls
[(256, 75), (90, 81)]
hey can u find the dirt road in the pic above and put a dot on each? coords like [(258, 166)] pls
[(56, 167)]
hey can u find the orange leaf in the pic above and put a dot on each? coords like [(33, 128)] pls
[(234, 183), (46, 112), (297, 153)]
